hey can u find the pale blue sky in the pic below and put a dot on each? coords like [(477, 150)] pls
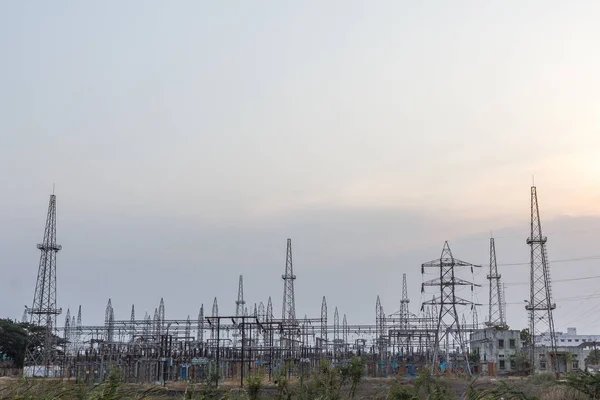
[(188, 140)]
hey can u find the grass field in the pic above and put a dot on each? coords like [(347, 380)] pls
[(324, 387)]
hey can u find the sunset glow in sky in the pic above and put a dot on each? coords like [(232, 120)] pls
[(189, 139)]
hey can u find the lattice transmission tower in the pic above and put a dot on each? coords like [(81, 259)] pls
[(540, 305), (496, 317), (215, 313), (448, 321), (380, 335), (324, 324), (404, 312), (40, 357), (289, 303), (67, 330), (132, 330), (239, 308), (239, 303), (336, 333), (109, 322), (200, 325)]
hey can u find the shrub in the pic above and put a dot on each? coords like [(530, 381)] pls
[(584, 382), (398, 392), (328, 381), (353, 372), (282, 384), (254, 384)]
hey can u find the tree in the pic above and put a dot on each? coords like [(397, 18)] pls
[(525, 337), (16, 337), (353, 372), (474, 356), (522, 364), (593, 358)]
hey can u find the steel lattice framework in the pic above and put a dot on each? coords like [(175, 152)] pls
[(496, 310), (44, 310), (290, 339), (448, 322), (540, 303), (289, 302), (324, 324), (154, 348)]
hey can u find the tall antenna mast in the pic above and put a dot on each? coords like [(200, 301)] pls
[(44, 309), (540, 305)]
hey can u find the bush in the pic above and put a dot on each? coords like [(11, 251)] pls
[(328, 382), (398, 392), (432, 388), (254, 384), (544, 378), (584, 382), (282, 384), (353, 372)]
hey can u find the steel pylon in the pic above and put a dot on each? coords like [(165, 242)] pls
[(448, 321), (496, 316), (41, 357), (540, 305)]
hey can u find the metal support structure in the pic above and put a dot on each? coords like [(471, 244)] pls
[(540, 305), (324, 324), (496, 316), (289, 303), (448, 321), (161, 349), (41, 359)]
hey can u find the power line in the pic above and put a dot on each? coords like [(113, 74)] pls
[(554, 261), (573, 298), (556, 280)]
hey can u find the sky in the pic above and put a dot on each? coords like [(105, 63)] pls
[(188, 140)]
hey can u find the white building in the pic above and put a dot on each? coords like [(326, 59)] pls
[(495, 347), (568, 339)]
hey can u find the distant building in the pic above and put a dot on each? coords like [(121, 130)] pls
[(494, 348), (568, 339), (569, 358)]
